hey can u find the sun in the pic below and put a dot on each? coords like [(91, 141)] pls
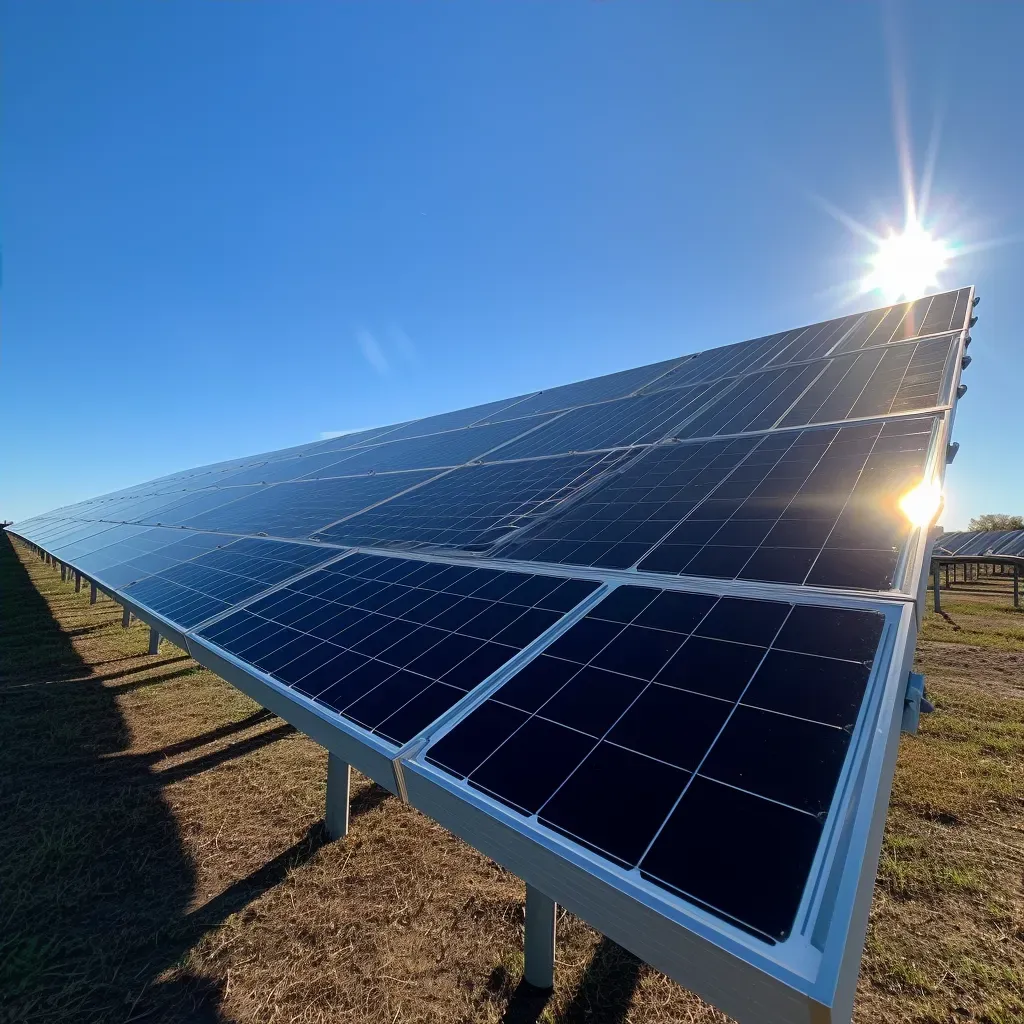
[(921, 504), (908, 264)]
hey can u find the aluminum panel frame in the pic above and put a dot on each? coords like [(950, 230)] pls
[(805, 978)]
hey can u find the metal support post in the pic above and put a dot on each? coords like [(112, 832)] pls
[(78, 582), (935, 585), (154, 640), (63, 572), (1016, 586), (339, 781), (92, 593), (126, 619), (539, 939)]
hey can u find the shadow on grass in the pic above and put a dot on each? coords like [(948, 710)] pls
[(606, 989), (96, 881), (603, 996)]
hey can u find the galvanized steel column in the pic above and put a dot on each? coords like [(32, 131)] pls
[(539, 942), (339, 781)]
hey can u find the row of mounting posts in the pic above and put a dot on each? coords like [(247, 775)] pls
[(978, 569), (541, 911)]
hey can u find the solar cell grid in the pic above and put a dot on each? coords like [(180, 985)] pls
[(640, 419), (392, 643), (297, 509), (878, 382), (181, 507), (614, 525), (718, 363), (755, 402), (815, 507), (74, 537), (815, 341), (192, 591), (453, 420), (118, 565), (690, 715), (451, 448), (818, 506), (932, 315), (286, 469), (597, 389), (472, 507)]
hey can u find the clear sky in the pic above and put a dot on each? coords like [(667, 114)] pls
[(229, 227)]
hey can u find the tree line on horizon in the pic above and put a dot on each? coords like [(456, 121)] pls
[(995, 521)]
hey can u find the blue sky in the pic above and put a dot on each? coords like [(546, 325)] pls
[(229, 227)]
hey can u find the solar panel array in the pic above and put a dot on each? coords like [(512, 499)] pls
[(981, 542), (627, 611)]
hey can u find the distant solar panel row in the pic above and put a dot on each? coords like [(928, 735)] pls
[(981, 542)]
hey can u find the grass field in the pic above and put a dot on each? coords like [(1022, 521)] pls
[(161, 856)]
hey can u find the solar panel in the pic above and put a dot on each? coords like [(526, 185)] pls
[(613, 385), (878, 382), (643, 639), (451, 448), (641, 419), (296, 509), (815, 506), (933, 315), (981, 542), (754, 402), (724, 718), (453, 420), (474, 506), (389, 643), (197, 589)]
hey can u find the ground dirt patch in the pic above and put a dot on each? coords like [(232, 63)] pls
[(162, 860)]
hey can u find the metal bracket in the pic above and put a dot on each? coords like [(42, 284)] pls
[(915, 703)]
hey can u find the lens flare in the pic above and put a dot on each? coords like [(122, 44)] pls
[(921, 504), (907, 265)]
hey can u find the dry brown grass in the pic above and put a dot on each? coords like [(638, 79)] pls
[(161, 857)]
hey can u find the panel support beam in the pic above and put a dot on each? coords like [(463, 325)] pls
[(154, 641), (63, 572), (92, 593), (935, 586), (539, 939), (339, 782), (78, 582), (126, 619)]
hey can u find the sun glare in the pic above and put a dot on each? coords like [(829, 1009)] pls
[(921, 504), (906, 265)]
